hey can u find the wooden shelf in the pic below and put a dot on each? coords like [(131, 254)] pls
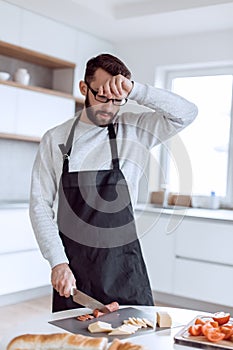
[(42, 90), (17, 137), (31, 56)]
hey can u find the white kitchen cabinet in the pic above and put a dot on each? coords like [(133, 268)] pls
[(194, 261), (16, 231), (8, 108), (158, 250), (22, 265), (32, 113), (38, 112), (10, 17), (204, 281), (23, 270), (56, 39), (205, 240), (204, 260)]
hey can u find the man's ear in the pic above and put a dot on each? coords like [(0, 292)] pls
[(83, 88)]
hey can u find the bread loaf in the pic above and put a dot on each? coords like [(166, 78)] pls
[(61, 341), (118, 345)]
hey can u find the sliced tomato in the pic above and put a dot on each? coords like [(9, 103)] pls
[(214, 335), (221, 317), (214, 324), (196, 329), (227, 330), (206, 327), (199, 321)]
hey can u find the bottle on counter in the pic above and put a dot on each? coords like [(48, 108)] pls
[(214, 202)]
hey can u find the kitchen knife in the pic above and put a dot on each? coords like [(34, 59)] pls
[(87, 301)]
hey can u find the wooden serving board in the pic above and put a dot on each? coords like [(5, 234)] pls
[(201, 342), (115, 318)]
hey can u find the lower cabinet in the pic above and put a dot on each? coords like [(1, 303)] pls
[(208, 282), (158, 250), (22, 265), (194, 261), (23, 270)]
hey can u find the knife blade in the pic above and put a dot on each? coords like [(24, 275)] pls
[(87, 301)]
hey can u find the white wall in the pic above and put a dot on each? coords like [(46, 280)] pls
[(144, 56)]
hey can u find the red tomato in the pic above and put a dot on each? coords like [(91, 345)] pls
[(221, 317), (196, 329), (206, 327), (199, 321), (227, 330), (214, 324), (214, 335)]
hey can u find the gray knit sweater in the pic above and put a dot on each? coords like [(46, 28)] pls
[(137, 133)]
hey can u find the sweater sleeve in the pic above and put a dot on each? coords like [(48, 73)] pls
[(42, 197), (169, 114)]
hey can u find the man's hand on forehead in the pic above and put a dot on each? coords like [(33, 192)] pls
[(117, 86)]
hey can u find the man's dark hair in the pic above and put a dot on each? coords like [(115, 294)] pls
[(107, 62)]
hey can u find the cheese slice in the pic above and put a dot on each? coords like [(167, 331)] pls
[(164, 319), (99, 326), (124, 329), (148, 323)]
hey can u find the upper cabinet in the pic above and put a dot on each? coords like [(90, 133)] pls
[(10, 17), (47, 36), (8, 108), (39, 112)]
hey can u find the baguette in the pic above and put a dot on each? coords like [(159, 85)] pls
[(61, 341), (118, 345)]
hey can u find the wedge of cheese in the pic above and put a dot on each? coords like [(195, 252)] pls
[(99, 326), (164, 319)]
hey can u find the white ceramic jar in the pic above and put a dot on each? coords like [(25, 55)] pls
[(22, 76)]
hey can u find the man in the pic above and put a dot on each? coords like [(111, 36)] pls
[(84, 174)]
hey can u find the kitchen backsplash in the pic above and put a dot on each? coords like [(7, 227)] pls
[(17, 158)]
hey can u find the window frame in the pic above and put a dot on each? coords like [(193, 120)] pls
[(165, 75)]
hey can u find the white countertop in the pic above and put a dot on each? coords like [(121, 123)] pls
[(153, 340), (213, 214)]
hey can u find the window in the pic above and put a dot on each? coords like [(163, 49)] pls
[(209, 139)]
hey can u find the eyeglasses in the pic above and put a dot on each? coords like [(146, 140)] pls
[(104, 99)]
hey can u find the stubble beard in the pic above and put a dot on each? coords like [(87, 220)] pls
[(98, 117)]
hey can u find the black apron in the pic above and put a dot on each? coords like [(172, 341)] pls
[(97, 228)]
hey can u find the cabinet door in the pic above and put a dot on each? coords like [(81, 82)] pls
[(16, 231), (38, 112), (205, 240), (22, 271), (204, 281), (158, 250), (10, 23), (48, 36), (8, 108)]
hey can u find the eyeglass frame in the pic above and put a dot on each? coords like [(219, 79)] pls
[(95, 93)]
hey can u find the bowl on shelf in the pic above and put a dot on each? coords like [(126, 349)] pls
[(4, 76)]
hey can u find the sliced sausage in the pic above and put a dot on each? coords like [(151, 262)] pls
[(114, 306), (85, 317)]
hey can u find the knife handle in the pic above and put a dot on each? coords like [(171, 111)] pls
[(72, 292)]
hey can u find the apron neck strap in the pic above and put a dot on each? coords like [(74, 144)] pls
[(113, 145), (66, 149)]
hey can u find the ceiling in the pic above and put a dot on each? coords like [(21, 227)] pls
[(123, 20)]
